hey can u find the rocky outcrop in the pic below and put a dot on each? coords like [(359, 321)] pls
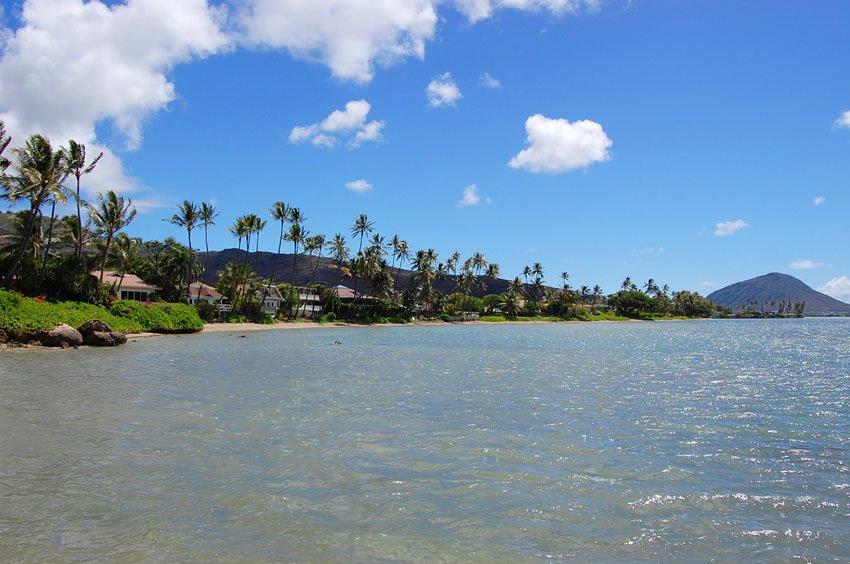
[(4, 338), (105, 339), (97, 333), (61, 336)]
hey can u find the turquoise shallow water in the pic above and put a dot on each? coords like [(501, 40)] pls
[(608, 441)]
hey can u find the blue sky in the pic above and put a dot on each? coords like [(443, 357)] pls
[(698, 143)]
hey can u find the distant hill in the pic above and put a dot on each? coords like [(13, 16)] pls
[(776, 287), (263, 264)]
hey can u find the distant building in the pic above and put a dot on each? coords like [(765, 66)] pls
[(127, 286), (272, 301), (207, 294), (309, 303)]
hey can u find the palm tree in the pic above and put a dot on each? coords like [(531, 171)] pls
[(537, 270), (400, 252), (296, 235), (627, 283), (565, 276), (585, 294), (126, 256), (111, 215), (526, 272), (362, 226), (58, 196), (279, 212), (238, 230), (187, 215), (257, 227), (39, 176), (597, 293), (74, 160), (206, 214)]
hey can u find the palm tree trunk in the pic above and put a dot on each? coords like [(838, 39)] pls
[(47, 248), (189, 267), (105, 254), (206, 263), (292, 278), (78, 250)]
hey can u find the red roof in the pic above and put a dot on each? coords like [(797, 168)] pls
[(131, 282)]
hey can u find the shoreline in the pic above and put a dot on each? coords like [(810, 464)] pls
[(213, 328)]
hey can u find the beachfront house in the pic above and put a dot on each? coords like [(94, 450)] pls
[(200, 292), (272, 299), (126, 286), (309, 303)]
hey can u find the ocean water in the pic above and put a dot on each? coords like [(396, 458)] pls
[(697, 441)]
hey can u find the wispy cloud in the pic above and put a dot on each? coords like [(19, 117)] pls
[(488, 81), (806, 264), (729, 228), (360, 186), (843, 120), (819, 200), (442, 91), (347, 124), (472, 197)]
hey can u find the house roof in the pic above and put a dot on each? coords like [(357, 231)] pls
[(131, 282), (344, 292), (207, 291)]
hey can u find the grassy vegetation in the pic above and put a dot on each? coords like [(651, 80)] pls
[(21, 317), (159, 317)]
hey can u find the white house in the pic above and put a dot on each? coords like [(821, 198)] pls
[(309, 303)]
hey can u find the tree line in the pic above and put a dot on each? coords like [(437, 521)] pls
[(56, 262)]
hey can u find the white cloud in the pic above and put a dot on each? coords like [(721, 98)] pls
[(349, 123), (838, 288), (477, 10), (472, 197), (708, 284), (442, 91), (556, 145), (358, 186), (348, 36), (843, 120), (819, 200), (488, 81), (72, 65), (806, 264), (729, 228)]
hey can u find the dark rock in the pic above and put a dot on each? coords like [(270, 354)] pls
[(105, 339), (4, 338), (61, 336), (93, 325)]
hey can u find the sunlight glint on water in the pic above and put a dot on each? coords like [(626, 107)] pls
[(682, 440)]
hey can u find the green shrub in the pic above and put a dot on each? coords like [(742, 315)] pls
[(398, 320), (445, 317), (264, 318), (233, 318), (21, 317), (159, 317), (206, 311)]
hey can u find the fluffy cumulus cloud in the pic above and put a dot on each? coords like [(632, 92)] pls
[(843, 120), (556, 145), (349, 36), (442, 91), (729, 228), (358, 186), (838, 288), (472, 197), (347, 124), (806, 264), (488, 81), (72, 65), (477, 10)]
